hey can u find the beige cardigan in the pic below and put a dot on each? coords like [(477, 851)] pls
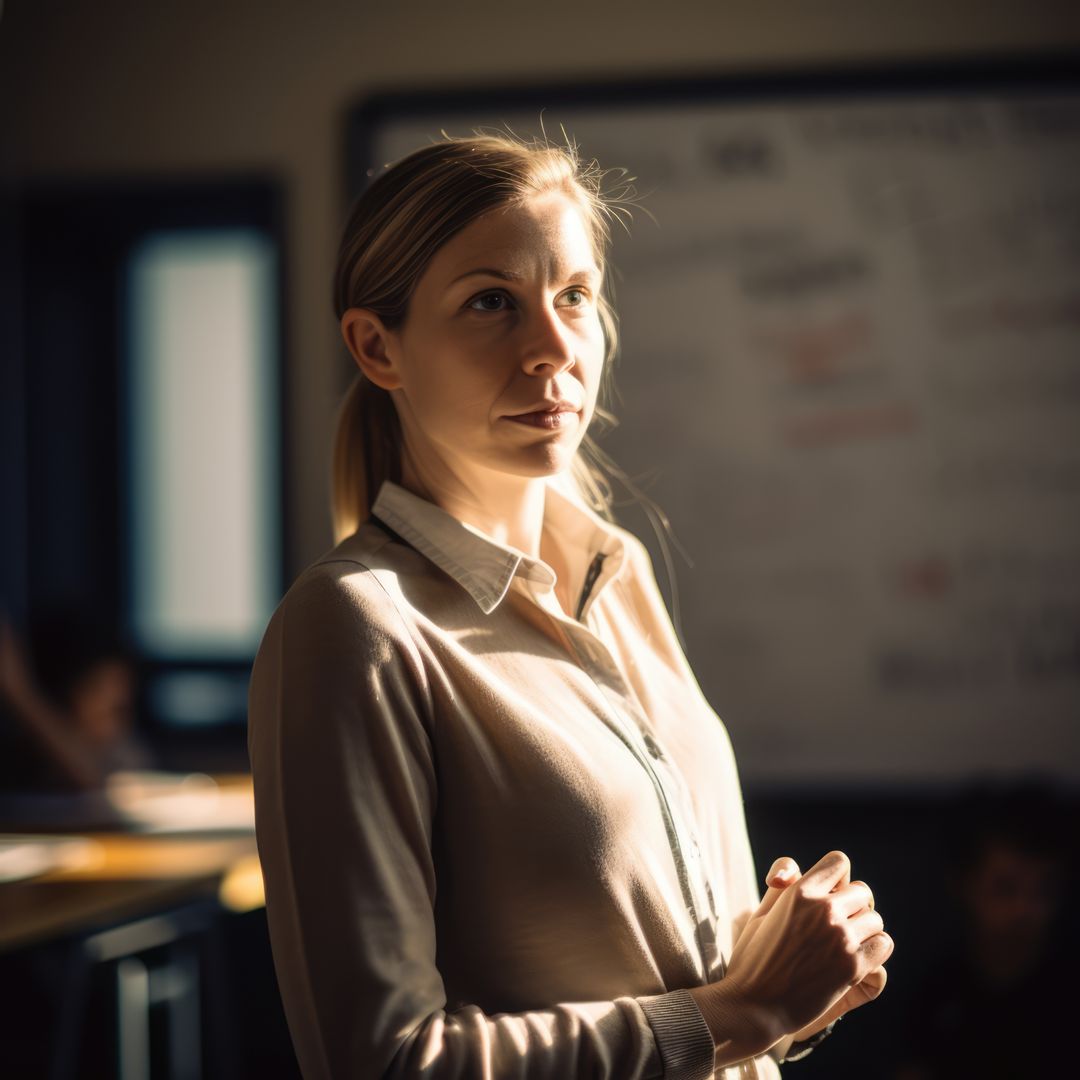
[(497, 841)]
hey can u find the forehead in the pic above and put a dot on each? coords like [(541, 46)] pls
[(547, 234)]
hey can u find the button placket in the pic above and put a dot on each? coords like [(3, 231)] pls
[(595, 658), (682, 818)]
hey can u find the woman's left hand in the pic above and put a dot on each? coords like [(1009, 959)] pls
[(785, 872), (862, 992)]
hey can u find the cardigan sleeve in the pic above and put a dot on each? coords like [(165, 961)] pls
[(345, 792)]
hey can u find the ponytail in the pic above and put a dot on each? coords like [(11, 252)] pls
[(367, 451)]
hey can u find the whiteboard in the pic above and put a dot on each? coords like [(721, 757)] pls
[(850, 374)]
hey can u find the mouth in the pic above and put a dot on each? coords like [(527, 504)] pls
[(548, 418), (546, 408)]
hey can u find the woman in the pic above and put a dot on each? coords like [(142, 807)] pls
[(500, 825)]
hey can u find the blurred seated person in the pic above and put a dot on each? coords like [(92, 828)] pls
[(995, 1007), (68, 703)]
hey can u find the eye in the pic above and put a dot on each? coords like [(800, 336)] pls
[(498, 300), (498, 294), (577, 297)]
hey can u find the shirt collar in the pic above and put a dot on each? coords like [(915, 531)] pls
[(482, 565)]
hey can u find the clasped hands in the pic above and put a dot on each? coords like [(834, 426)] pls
[(814, 949)]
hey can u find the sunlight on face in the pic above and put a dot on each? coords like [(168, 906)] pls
[(504, 317)]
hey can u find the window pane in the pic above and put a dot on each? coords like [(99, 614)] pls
[(203, 445)]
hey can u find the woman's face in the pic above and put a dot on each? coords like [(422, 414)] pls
[(504, 318)]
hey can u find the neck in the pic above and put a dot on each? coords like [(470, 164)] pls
[(509, 509)]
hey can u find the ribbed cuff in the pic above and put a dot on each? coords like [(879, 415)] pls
[(682, 1036)]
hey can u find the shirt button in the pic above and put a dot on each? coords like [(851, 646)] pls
[(653, 747)]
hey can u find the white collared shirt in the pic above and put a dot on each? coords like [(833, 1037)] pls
[(497, 840)]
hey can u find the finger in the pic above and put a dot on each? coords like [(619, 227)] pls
[(877, 949), (866, 924), (869, 891), (783, 872), (827, 873), (864, 991), (852, 898), (873, 982)]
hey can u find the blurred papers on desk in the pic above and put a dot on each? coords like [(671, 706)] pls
[(160, 802), (25, 856), (142, 802)]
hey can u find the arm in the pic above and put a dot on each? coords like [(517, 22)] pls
[(54, 733), (345, 796)]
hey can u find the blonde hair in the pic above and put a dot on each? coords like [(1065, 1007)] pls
[(394, 229)]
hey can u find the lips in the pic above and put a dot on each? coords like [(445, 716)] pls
[(548, 407)]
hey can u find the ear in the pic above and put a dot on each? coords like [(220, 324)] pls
[(372, 346)]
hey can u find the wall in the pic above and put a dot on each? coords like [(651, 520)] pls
[(170, 88)]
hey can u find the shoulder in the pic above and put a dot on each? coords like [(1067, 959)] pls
[(341, 607), (334, 646)]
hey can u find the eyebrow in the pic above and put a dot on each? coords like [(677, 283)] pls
[(511, 275)]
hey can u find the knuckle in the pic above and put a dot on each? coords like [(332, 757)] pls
[(880, 947)]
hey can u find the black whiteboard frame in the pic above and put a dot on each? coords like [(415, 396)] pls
[(958, 76)]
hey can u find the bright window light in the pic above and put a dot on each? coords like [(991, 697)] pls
[(203, 442)]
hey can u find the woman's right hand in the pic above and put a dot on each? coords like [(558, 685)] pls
[(806, 945)]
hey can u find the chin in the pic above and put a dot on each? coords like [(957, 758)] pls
[(535, 465)]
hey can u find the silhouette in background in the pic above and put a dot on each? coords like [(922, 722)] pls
[(996, 1008), (68, 703)]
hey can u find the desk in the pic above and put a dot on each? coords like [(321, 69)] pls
[(130, 876), (123, 875), (130, 897)]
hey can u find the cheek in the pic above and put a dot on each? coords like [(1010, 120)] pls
[(595, 347), (456, 393), (594, 370)]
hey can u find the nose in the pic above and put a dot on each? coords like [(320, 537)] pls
[(549, 343)]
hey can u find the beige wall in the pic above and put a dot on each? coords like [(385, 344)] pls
[(106, 86)]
